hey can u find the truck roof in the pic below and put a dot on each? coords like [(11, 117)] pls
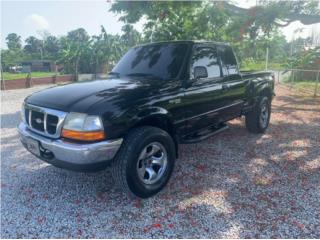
[(185, 41)]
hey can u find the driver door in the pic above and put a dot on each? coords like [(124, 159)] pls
[(203, 96)]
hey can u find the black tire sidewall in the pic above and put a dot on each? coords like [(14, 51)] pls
[(134, 183), (261, 102)]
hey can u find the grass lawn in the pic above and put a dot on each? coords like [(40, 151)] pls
[(12, 76), (303, 85), (259, 66)]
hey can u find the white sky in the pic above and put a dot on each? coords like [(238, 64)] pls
[(58, 17)]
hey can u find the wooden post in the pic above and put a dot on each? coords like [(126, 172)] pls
[(28, 80), (2, 80), (317, 83), (292, 78), (267, 58), (2, 85), (54, 79)]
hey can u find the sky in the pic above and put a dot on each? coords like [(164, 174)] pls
[(58, 17)]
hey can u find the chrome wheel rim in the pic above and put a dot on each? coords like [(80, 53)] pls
[(264, 114), (152, 163)]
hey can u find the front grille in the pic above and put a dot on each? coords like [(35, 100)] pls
[(44, 120), (37, 120), (52, 122), (26, 112)]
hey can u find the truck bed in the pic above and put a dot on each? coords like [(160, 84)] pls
[(246, 74)]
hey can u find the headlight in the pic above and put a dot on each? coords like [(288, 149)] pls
[(83, 127)]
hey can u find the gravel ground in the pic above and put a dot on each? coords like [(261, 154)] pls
[(233, 185)]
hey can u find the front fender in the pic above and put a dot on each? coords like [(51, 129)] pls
[(143, 114), (118, 126)]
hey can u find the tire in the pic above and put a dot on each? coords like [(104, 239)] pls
[(134, 169), (257, 121)]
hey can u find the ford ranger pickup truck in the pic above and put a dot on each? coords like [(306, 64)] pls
[(158, 96)]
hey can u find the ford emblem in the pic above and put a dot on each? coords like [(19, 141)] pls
[(38, 120)]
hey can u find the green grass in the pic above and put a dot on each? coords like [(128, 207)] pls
[(305, 84), (259, 66), (308, 85), (12, 76)]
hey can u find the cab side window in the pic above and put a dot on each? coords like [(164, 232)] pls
[(206, 57), (228, 60)]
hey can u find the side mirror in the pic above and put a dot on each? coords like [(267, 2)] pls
[(200, 72)]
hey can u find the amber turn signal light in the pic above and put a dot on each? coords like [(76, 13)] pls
[(83, 136)]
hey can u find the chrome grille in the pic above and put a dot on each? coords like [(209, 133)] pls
[(37, 120), (44, 121)]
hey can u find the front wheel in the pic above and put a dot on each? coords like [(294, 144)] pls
[(258, 120), (144, 162)]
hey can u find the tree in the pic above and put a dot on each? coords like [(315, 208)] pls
[(250, 31), (10, 58), (52, 46), (74, 47), (130, 36), (13, 41), (13, 54), (34, 46), (280, 13), (79, 35), (106, 49), (162, 18), (175, 20)]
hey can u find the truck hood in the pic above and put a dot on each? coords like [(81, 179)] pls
[(82, 96)]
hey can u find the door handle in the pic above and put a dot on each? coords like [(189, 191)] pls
[(175, 101), (225, 87)]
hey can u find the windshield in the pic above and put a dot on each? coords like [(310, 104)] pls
[(156, 60)]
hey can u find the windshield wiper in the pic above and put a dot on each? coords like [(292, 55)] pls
[(143, 75)]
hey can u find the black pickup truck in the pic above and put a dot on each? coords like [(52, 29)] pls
[(158, 96)]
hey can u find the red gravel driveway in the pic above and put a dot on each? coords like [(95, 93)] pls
[(233, 185)]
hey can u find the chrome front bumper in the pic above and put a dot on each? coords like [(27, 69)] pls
[(73, 156)]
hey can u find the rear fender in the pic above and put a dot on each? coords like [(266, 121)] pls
[(263, 87)]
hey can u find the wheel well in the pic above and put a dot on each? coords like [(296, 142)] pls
[(266, 92), (163, 123)]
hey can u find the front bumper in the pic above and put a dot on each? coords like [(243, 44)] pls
[(72, 156)]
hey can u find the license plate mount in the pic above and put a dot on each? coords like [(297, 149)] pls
[(33, 146)]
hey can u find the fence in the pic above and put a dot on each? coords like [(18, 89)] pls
[(293, 77), (88, 77), (29, 81), (304, 80)]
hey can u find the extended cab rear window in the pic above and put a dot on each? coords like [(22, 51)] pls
[(159, 60), (228, 60)]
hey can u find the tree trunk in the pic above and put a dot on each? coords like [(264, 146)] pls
[(2, 79), (76, 70), (96, 69)]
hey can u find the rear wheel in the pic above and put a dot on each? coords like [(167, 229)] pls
[(257, 121), (144, 162)]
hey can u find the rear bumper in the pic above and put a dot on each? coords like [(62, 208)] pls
[(73, 156)]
